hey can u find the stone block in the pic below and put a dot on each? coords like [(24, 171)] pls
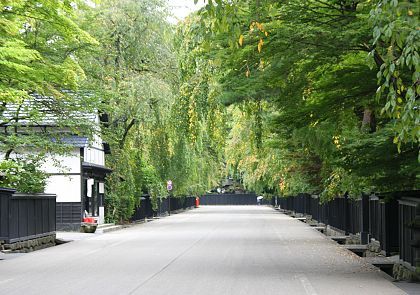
[(31, 245), (402, 273), (374, 246)]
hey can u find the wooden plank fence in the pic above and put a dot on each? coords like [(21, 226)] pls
[(388, 218), (26, 216)]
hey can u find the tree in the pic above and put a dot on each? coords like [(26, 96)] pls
[(198, 116), (39, 78), (134, 73), (396, 40), (308, 61)]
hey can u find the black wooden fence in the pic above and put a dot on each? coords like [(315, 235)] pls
[(25, 216), (229, 199), (165, 205), (409, 228), (175, 203), (69, 215), (387, 218)]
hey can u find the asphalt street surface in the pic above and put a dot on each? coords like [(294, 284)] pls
[(211, 250)]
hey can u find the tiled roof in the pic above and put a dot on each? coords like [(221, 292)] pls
[(46, 111), (77, 141)]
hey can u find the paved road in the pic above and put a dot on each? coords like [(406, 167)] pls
[(212, 250)]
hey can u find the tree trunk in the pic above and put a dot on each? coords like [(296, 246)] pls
[(7, 155), (369, 121)]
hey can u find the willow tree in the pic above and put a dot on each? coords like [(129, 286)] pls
[(198, 117), (133, 73), (315, 65)]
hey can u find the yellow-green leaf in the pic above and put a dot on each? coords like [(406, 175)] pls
[(241, 40), (260, 44)]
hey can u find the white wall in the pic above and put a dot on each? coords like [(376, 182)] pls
[(94, 156), (69, 163), (63, 164), (96, 141), (67, 188)]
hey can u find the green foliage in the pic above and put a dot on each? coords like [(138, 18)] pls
[(39, 77), (121, 187), (134, 71), (199, 119), (396, 38), (39, 41), (281, 95), (321, 129), (24, 175)]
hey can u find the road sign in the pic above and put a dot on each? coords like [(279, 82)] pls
[(169, 185)]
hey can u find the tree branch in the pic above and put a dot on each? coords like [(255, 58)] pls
[(127, 129)]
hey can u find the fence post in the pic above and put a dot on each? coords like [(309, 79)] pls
[(5, 218), (347, 214), (416, 239), (364, 234), (169, 203)]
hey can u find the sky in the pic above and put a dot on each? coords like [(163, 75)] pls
[(181, 8)]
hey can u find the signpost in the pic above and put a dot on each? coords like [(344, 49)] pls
[(169, 189), (169, 185)]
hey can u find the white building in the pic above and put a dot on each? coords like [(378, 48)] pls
[(78, 177), (80, 186)]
